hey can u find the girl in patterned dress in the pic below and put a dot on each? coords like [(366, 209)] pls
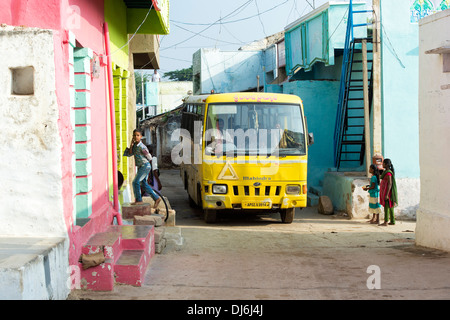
[(388, 192), (374, 205)]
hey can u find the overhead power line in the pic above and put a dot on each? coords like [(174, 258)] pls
[(232, 21), (185, 40), (259, 17), (199, 34)]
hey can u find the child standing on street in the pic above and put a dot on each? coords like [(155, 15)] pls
[(373, 188), (142, 160), (388, 192)]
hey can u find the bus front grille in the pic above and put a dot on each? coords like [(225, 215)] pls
[(257, 191)]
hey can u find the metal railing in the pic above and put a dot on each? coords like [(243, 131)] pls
[(345, 75)]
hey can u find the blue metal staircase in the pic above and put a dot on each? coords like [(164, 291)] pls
[(349, 141)]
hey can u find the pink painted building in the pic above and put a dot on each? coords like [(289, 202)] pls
[(68, 109)]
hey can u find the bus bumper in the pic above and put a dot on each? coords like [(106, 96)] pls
[(227, 202)]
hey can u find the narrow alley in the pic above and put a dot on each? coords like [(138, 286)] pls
[(258, 257), (321, 113)]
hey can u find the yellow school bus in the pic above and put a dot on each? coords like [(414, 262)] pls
[(246, 152)]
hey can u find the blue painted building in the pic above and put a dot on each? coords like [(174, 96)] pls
[(315, 65)]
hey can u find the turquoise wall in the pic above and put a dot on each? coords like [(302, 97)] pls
[(400, 76), (151, 93), (315, 37), (320, 104)]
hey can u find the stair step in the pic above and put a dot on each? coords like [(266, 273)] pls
[(108, 241), (312, 200), (130, 268), (134, 237), (99, 278), (352, 142), (138, 243), (129, 210), (317, 190), (128, 250)]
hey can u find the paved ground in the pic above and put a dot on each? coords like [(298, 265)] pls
[(315, 257)]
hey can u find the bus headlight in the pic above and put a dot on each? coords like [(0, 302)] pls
[(293, 189), (219, 188)]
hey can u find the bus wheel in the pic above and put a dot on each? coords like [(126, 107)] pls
[(199, 197), (210, 215), (287, 215), (192, 203)]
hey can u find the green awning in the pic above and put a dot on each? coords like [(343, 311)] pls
[(157, 21)]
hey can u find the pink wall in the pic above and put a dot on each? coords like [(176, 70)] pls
[(31, 13), (62, 93), (85, 19), (90, 34)]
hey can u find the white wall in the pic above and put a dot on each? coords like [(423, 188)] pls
[(433, 216), (227, 71), (171, 94), (30, 144)]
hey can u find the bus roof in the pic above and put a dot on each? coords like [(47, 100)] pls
[(261, 97)]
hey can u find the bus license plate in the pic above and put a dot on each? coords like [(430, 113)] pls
[(256, 205)]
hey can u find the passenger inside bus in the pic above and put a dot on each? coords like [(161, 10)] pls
[(221, 140), (254, 129)]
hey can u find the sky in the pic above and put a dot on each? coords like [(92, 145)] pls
[(226, 25)]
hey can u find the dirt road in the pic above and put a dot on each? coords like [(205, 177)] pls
[(315, 257)]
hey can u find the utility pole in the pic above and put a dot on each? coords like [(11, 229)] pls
[(377, 121), (142, 92)]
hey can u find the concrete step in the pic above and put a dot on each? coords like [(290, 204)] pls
[(134, 237), (108, 241), (312, 200), (130, 268), (317, 190), (30, 268), (99, 278), (129, 210), (128, 250)]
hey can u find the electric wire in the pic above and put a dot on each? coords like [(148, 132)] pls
[(222, 21), (233, 21), (214, 23), (259, 17), (199, 34), (389, 44), (131, 38)]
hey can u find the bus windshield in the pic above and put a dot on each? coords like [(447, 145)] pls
[(254, 129)]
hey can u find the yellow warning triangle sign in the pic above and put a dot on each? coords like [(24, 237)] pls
[(224, 175)]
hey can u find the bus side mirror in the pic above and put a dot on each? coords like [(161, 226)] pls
[(310, 138)]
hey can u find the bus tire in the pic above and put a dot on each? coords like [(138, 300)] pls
[(287, 215), (192, 203), (199, 197), (210, 215)]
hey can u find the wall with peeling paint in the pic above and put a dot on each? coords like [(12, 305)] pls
[(32, 198)]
